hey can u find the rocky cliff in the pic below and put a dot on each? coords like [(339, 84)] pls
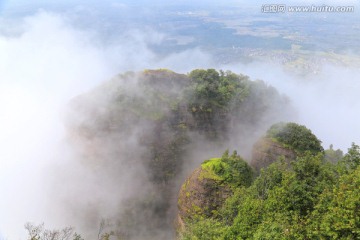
[(266, 151), (284, 140), (207, 188)]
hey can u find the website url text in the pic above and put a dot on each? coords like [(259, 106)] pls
[(282, 8)]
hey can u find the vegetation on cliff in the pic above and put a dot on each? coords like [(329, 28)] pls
[(306, 198), (146, 128), (204, 192), (286, 140), (143, 128), (295, 137)]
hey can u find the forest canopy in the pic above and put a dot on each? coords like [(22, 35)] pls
[(312, 198)]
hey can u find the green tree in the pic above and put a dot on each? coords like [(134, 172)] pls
[(204, 229), (296, 137), (249, 215), (269, 178), (213, 97), (231, 170), (337, 215), (301, 185), (333, 156), (351, 159)]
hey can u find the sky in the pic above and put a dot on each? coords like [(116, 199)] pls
[(46, 59)]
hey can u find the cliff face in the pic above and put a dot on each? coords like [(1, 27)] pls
[(201, 195), (267, 150), (206, 189), (286, 140)]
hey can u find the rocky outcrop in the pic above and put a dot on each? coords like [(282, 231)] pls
[(286, 140), (206, 189), (201, 195), (267, 150)]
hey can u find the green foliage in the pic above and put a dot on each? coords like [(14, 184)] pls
[(299, 187), (269, 178), (351, 159), (230, 208), (213, 98), (307, 199), (231, 170), (337, 214), (333, 156), (296, 137), (250, 214), (77, 237), (205, 229), (212, 89)]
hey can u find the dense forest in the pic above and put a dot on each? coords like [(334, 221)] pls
[(147, 134), (306, 197)]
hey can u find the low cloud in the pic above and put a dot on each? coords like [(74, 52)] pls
[(326, 102), (44, 62)]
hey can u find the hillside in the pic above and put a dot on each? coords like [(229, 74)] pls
[(302, 195), (149, 129), (144, 136)]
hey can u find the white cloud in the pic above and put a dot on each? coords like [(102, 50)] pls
[(326, 103), (40, 70), (42, 66)]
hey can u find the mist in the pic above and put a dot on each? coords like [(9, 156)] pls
[(40, 70), (47, 59), (326, 103), (45, 62)]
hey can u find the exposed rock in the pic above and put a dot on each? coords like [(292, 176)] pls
[(267, 150), (207, 188), (201, 195), (287, 140)]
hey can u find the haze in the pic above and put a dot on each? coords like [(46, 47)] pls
[(50, 53)]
